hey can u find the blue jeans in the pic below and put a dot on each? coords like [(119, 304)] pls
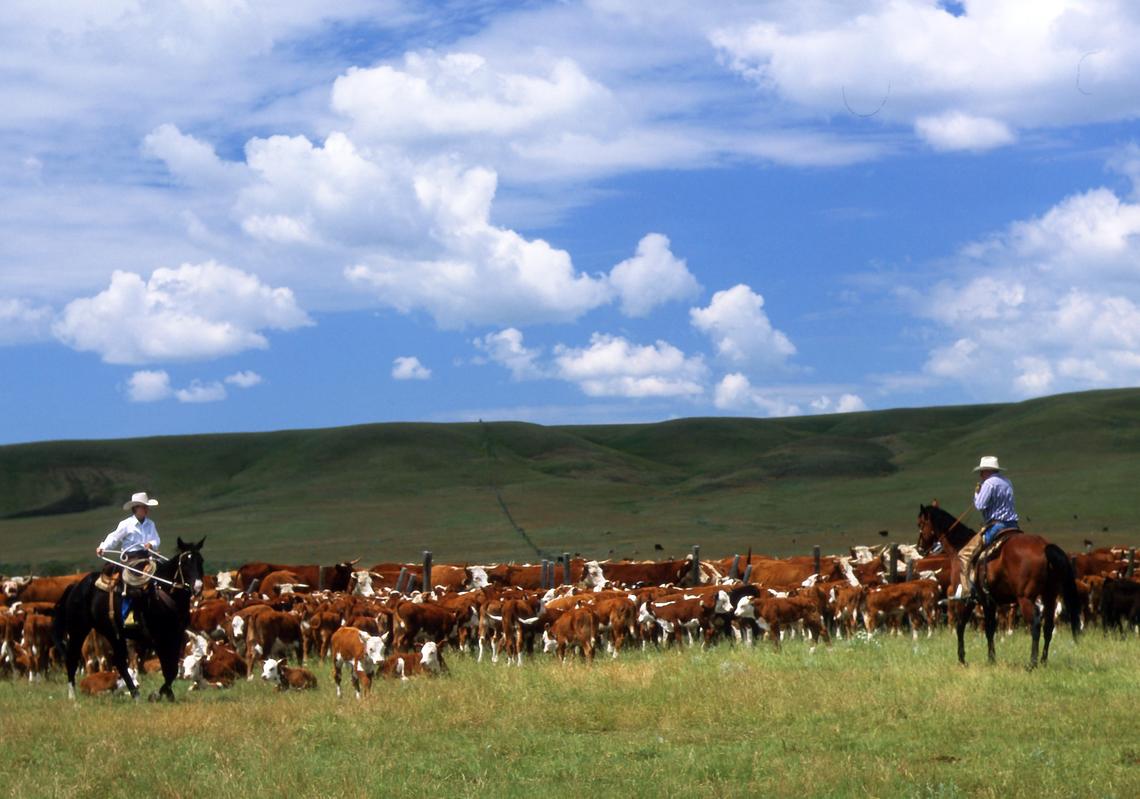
[(994, 529)]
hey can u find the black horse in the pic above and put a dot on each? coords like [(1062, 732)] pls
[(165, 607)]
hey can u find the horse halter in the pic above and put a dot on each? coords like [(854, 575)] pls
[(179, 579)]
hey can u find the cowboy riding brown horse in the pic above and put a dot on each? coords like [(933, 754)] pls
[(1027, 570)]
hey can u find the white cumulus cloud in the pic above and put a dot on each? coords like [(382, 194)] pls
[(737, 324), (611, 366), (652, 277), (195, 311), (506, 348), (957, 131), (149, 386), (243, 379), (198, 391), (408, 367)]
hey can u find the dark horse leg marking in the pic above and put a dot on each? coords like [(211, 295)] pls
[(990, 608), (965, 613)]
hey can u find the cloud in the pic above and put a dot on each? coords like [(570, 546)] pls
[(507, 349), (198, 391), (957, 131), (22, 322), (613, 367), (148, 386), (1049, 304), (735, 392), (244, 379), (483, 274), (743, 335), (652, 277), (962, 81), (193, 312), (409, 368), (459, 95), (190, 160)]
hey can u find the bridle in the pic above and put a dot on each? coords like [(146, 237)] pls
[(179, 579)]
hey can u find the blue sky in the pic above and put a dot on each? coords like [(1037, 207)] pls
[(221, 217)]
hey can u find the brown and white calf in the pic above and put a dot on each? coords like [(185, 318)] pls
[(576, 627), (361, 652), (286, 677), (102, 682), (272, 633), (427, 661)]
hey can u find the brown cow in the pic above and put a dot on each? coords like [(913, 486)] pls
[(102, 682), (269, 633), (428, 660), (318, 578), (46, 589), (38, 642), (219, 668), (576, 627), (361, 652), (286, 677), (413, 619)]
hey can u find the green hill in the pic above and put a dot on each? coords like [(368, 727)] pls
[(388, 491)]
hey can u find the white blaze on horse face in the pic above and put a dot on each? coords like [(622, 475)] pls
[(198, 587), (269, 670)]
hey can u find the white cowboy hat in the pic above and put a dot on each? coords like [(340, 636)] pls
[(989, 463), (139, 499)]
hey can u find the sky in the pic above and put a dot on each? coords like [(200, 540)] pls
[(251, 215)]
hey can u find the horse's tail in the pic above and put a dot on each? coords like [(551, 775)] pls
[(59, 624), (1062, 570)]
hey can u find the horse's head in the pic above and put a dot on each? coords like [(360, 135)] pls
[(190, 569), (927, 535), (935, 525)]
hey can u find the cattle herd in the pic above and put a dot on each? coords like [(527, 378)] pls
[(276, 621)]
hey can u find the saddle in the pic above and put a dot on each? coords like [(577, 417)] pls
[(990, 553)]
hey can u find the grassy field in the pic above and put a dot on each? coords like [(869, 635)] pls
[(384, 492), (886, 718)]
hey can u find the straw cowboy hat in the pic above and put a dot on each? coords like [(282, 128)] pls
[(140, 499), (989, 463)]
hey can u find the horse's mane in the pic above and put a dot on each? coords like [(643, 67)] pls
[(941, 520)]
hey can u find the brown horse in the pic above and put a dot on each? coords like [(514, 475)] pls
[(1028, 571)]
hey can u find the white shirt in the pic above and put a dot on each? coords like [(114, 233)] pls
[(131, 534), (995, 500)]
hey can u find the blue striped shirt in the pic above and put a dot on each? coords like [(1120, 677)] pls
[(995, 500)]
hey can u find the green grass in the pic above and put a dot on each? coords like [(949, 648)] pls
[(385, 492), (887, 718)]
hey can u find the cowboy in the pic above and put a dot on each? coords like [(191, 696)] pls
[(993, 496), (134, 539)]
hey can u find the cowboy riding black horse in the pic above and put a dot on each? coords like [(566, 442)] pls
[(164, 607)]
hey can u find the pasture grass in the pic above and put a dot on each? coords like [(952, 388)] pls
[(887, 718)]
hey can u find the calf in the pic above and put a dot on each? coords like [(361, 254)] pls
[(362, 652), (427, 661), (217, 669), (576, 627), (1119, 604), (102, 682), (286, 678), (38, 642), (269, 633)]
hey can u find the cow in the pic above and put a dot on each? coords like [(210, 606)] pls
[(319, 578), (102, 682), (413, 619), (219, 668), (361, 652), (576, 627), (685, 613), (1119, 604), (916, 601), (428, 660), (39, 644), (776, 615), (46, 589), (281, 582), (287, 678), (271, 632)]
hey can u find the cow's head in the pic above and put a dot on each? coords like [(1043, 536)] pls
[(271, 670), (723, 603), (375, 646), (192, 666), (429, 656), (477, 577)]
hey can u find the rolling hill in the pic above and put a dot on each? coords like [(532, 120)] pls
[(501, 491)]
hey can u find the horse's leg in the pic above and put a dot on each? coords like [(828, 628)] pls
[(1050, 613), (990, 609), (966, 613), (119, 658), (72, 656), (1032, 615), (167, 652)]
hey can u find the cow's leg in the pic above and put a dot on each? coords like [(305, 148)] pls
[(336, 674)]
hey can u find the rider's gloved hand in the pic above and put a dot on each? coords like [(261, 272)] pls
[(99, 552)]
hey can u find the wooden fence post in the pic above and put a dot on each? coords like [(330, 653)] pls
[(893, 566), (815, 557), (696, 564), (747, 572), (400, 580), (909, 570), (427, 570), (542, 575), (735, 566), (566, 568)]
